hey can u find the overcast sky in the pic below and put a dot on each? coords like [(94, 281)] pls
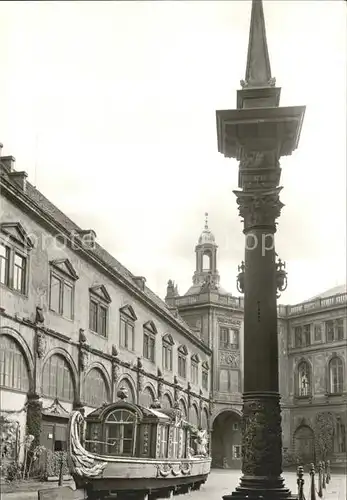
[(110, 108)]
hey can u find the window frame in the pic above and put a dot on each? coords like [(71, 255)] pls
[(20, 245), (65, 367), (121, 423), (182, 353), (99, 297), (87, 387), (227, 335), (127, 319), (194, 372), (205, 371), (149, 333), (339, 375), (17, 362), (64, 282), (308, 373)]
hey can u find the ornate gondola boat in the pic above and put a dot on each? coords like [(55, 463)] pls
[(124, 450)]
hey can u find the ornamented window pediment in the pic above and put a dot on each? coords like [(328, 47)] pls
[(183, 349), (65, 267), (195, 357), (168, 339), (205, 365), (128, 311), (16, 232), (101, 292), (149, 325)]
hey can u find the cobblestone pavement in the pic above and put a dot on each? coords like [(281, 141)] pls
[(222, 482)]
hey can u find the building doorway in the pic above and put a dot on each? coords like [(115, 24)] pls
[(54, 439), (304, 444), (226, 441)]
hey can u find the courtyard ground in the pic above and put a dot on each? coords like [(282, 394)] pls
[(219, 483)]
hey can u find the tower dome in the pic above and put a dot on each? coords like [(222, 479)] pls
[(206, 236)]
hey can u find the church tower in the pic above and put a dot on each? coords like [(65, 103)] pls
[(206, 262)]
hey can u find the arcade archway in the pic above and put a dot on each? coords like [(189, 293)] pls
[(304, 444), (226, 440)]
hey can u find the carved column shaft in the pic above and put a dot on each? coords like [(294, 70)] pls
[(261, 423)]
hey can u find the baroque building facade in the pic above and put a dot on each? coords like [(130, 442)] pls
[(76, 325), (312, 361)]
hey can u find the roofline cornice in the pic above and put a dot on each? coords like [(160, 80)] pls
[(11, 191)]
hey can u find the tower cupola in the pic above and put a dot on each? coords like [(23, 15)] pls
[(206, 275)]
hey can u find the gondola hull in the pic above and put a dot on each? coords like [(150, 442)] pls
[(104, 476)]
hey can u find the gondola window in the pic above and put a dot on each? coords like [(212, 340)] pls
[(120, 428)]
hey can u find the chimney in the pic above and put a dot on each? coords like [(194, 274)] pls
[(19, 178), (8, 162), (140, 281), (88, 237)]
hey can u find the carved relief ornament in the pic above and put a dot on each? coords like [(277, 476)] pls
[(259, 209), (83, 359), (262, 437), (231, 359), (41, 344)]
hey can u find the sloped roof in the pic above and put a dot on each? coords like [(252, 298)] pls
[(49, 208), (328, 293)]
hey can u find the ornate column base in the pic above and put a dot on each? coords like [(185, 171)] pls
[(261, 450)]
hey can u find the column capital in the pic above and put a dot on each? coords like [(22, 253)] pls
[(259, 208)]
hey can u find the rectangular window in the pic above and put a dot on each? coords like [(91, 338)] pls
[(55, 294), (317, 333), (61, 296), (205, 379), (298, 340), (229, 381), (127, 334), (234, 339), (182, 366), (167, 357), (4, 264), (98, 314), (194, 373), (164, 441), (307, 335), (93, 315), (148, 346), (19, 274), (329, 331), (340, 329), (236, 452), (67, 300), (224, 338)]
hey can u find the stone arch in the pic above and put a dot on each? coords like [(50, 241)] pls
[(25, 351), (128, 383), (235, 411), (303, 443), (105, 391), (59, 351), (148, 395), (167, 401), (206, 260), (205, 418), (194, 416), (183, 407), (226, 439), (99, 366)]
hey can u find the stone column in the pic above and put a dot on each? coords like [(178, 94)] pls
[(261, 424)]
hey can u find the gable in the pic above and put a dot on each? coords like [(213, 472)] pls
[(129, 312), (183, 349), (205, 365), (16, 232), (168, 339), (65, 267), (150, 326), (101, 292), (195, 357)]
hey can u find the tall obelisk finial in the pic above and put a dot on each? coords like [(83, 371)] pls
[(258, 70), (258, 89)]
